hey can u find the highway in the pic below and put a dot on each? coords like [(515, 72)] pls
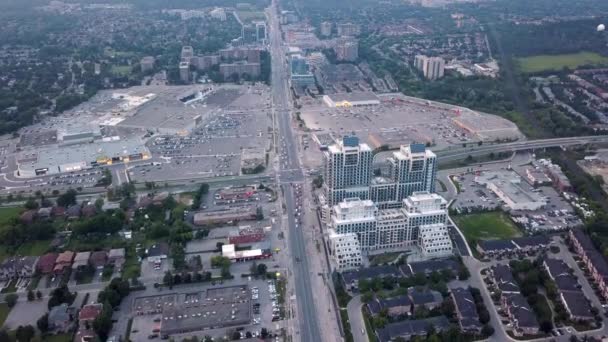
[(291, 172)]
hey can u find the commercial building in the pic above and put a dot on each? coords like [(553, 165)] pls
[(261, 34), (345, 250), (230, 252), (147, 64), (347, 50), (354, 99), (506, 185), (59, 158), (325, 29), (301, 76), (187, 53), (248, 33), (218, 13), (347, 170), (431, 67), (184, 71), (223, 216), (240, 68)]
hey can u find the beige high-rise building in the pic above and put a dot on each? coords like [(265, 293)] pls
[(347, 50), (326, 28), (432, 68)]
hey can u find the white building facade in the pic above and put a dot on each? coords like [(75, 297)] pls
[(427, 215), (345, 250)]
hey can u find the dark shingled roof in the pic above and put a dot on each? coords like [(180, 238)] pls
[(528, 241), (577, 304), (465, 305), (376, 305), (521, 310), (504, 278), (496, 245), (425, 296), (560, 273), (411, 328), (436, 265), (370, 273)]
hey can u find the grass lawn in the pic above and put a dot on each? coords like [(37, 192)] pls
[(11, 288), (249, 16), (4, 310), (34, 248), (383, 258), (486, 226), (7, 214), (557, 62), (122, 70)]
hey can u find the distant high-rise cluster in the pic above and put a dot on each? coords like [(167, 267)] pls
[(348, 30), (347, 50), (325, 29), (394, 211), (432, 67)]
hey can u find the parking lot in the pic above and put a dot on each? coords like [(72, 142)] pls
[(557, 215)]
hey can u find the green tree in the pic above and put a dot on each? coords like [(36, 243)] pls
[(67, 199), (43, 323), (11, 299), (30, 295), (25, 333), (262, 269)]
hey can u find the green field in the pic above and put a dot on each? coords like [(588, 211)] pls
[(34, 248), (7, 214), (486, 226), (540, 63), (249, 16), (4, 310)]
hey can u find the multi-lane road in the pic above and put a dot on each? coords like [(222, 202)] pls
[(290, 172)]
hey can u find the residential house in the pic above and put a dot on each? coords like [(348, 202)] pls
[(46, 263), (89, 210), (73, 212), (81, 260), (158, 252), (577, 305), (504, 279), (86, 316), (595, 262), (424, 298), (411, 328), (99, 259), (395, 306), (58, 211), (18, 267), (44, 213), (116, 257), (351, 278), (561, 274), (27, 217), (63, 262), (520, 314), (466, 310), (61, 318)]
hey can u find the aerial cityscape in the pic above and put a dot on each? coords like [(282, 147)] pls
[(303, 170)]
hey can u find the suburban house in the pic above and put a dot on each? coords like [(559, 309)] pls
[(63, 262), (395, 306), (410, 328), (466, 310), (81, 260), (46, 263), (86, 316), (116, 257), (158, 252), (577, 305), (520, 314), (61, 318), (18, 267), (99, 259), (423, 297)]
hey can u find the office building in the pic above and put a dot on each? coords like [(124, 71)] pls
[(239, 68), (326, 29), (187, 53), (431, 67), (248, 34), (251, 55), (218, 13), (348, 29), (412, 168), (347, 170), (147, 64), (300, 72), (347, 50), (427, 216), (260, 31), (184, 72), (345, 250)]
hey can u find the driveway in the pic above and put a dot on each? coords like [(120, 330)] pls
[(355, 317)]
